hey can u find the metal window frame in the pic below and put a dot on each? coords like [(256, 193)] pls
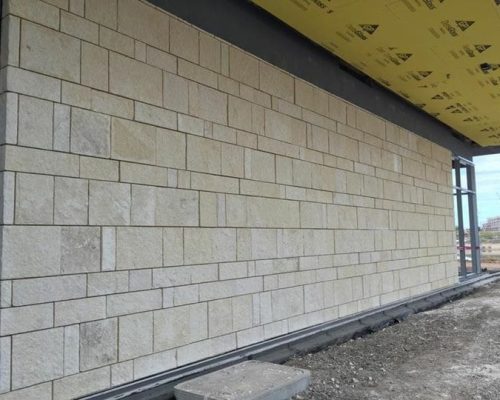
[(468, 190)]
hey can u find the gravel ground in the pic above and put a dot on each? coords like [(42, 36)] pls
[(452, 352)]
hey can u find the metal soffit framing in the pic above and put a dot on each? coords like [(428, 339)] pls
[(441, 55)]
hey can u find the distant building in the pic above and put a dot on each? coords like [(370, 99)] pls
[(492, 224)]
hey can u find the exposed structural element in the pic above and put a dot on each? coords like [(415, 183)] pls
[(465, 196), (249, 380), (161, 386)]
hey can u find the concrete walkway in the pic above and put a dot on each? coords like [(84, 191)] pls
[(449, 353)]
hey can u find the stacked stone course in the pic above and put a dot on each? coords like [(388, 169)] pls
[(167, 197)]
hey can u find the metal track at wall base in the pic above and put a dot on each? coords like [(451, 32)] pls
[(278, 350)]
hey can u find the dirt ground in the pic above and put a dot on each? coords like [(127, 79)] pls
[(452, 352)]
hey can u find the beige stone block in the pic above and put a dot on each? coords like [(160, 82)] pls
[(194, 72), (175, 92), (135, 80), (207, 103), (79, 27), (310, 97), (160, 59), (290, 242), (80, 249), (317, 138), (154, 363), (113, 105), (173, 248), (144, 22), (34, 199), (352, 241), (136, 335), (138, 248), (170, 148), (9, 117), (285, 128), (133, 302), (208, 209), (77, 7), (155, 116), (276, 82), (256, 244), (71, 349), (70, 201), (318, 242), (240, 113), (43, 290), (205, 245), (32, 84), (75, 386), (22, 250), (210, 52), (122, 373), (178, 326), (16, 320), (40, 48), (81, 310), (35, 122), (37, 357), (272, 213), (33, 10), (90, 133), (7, 202), (184, 40), (259, 166), (109, 203), (186, 295), (343, 146), (232, 160), (203, 155), (132, 141), (107, 283), (95, 168), (369, 218), (144, 174), (220, 317), (98, 343), (287, 303), (36, 392), (243, 67), (102, 12), (206, 348), (76, 95), (10, 41), (343, 217), (61, 127), (141, 279), (115, 41), (224, 133), (188, 124), (5, 367)]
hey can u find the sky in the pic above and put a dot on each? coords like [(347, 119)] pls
[(487, 186)]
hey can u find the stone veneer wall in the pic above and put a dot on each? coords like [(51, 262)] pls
[(167, 197)]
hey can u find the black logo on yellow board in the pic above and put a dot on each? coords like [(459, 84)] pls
[(437, 97), (404, 56), (464, 25), (457, 111), (369, 28), (468, 119), (482, 47), (424, 74)]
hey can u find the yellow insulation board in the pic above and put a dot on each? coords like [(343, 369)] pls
[(441, 55)]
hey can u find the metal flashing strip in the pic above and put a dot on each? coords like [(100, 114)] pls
[(161, 386)]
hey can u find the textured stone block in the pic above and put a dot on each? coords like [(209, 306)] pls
[(98, 343), (122, 373), (259, 166), (35, 122), (210, 52), (132, 141), (62, 122), (276, 82), (37, 357), (9, 117), (81, 310), (95, 168), (71, 349), (43, 290), (136, 335), (102, 12), (128, 303), (154, 363), (209, 245), (178, 326), (203, 155), (29, 251), (115, 41), (243, 67), (79, 27), (107, 283), (71, 201), (161, 59), (184, 40), (135, 80), (23, 319), (207, 103), (90, 133), (170, 149), (106, 103), (144, 22), (75, 386), (175, 92), (287, 303), (33, 84), (173, 247), (34, 199), (10, 41), (40, 50), (109, 203), (285, 128), (155, 116), (80, 249), (138, 248), (36, 11)]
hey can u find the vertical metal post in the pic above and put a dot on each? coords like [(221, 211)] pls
[(461, 238), (473, 220)]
